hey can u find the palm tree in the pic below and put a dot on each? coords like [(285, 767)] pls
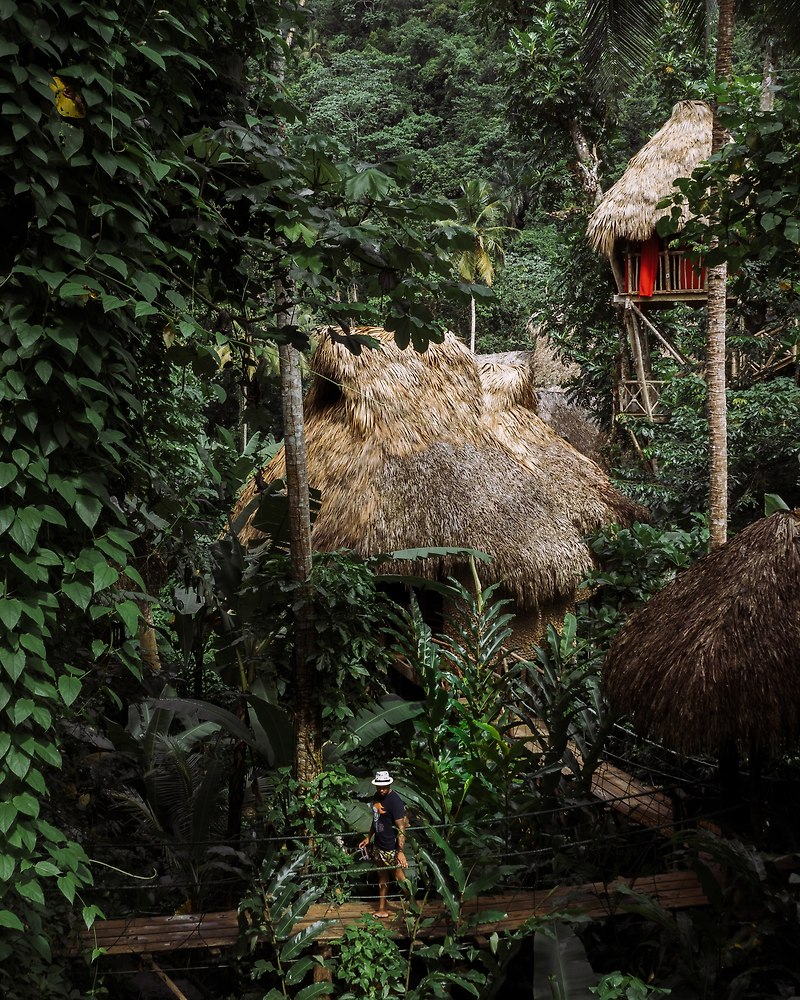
[(481, 212), (626, 30), (717, 320)]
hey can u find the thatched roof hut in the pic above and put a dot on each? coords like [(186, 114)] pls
[(406, 454), (511, 380), (714, 658), (629, 209)]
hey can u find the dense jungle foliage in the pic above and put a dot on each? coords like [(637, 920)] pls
[(186, 187)]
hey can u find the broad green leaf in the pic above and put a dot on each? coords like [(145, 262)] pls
[(104, 576), (90, 914), (297, 970), (88, 509), (46, 869), (72, 142), (314, 990), (152, 55), (34, 780), (129, 612), (116, 263), (8, 814), (560, 965), (21, 710), (79, 593), (27, 804), (67, 885), (7, 867), (69, 240), (8, 473), (10, 612), (302, 939), (376, 720), (144, 309), (33, 644), (25, 529), (48, 753), (69, 688), (31, 890), (13, 662), (773, 502), (18, 763), (11, 921), (6, 518)]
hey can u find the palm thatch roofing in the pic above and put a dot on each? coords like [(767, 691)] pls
[(513, 380), (714, 657), (406, 454), (629, 209)]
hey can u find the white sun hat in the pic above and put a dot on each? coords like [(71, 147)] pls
[(382, 778)]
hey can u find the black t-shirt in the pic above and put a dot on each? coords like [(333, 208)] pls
[(385, 813)]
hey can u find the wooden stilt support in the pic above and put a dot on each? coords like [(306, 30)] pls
[(169, 983), (638, 359), (668, 347)]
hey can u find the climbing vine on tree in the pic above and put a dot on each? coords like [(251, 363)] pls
[(151, 198)]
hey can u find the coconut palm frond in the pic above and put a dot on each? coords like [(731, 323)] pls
[(694, 17), (618, 37), (133, 803)]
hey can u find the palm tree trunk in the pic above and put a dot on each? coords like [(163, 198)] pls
[(717, 319), (472, 323)]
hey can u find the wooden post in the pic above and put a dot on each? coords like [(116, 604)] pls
[(632, 327)]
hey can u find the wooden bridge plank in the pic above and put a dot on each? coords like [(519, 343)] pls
[(149, 935)]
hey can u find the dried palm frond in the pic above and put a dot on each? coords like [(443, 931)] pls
[(629, 209), (406, 454), (714, 658)]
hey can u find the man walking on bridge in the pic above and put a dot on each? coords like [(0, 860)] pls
[(388, 832)]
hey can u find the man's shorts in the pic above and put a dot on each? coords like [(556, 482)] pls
[(385, 859)]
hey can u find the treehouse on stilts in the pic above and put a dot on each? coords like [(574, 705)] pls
[(648, 271)]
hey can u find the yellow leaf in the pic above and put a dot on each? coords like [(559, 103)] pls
[(69, 103)]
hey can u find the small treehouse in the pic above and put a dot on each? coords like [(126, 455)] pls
[(649, 274)]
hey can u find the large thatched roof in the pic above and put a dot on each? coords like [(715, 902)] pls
[(715, 656), (513, 380), (405, 454), (628, 209)]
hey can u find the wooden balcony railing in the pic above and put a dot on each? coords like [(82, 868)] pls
[(676, 274)]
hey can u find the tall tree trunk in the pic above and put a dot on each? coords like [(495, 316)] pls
[(717, 318), (472, 323), (588, 163), (307, 708), (767, 101)]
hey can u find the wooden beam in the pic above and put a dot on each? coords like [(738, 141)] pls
[(660, 337), (171, 985), (506, 912)]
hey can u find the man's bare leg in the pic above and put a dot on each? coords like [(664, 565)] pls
[(383, 888)]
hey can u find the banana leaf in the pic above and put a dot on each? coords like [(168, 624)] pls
[(561, 970)]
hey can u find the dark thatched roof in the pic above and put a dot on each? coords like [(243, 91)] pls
[(405, 454), (628, 209), (715, 656)]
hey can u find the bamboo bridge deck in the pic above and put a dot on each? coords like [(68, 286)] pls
[(479, 918), (623, 793), (508, 912)]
